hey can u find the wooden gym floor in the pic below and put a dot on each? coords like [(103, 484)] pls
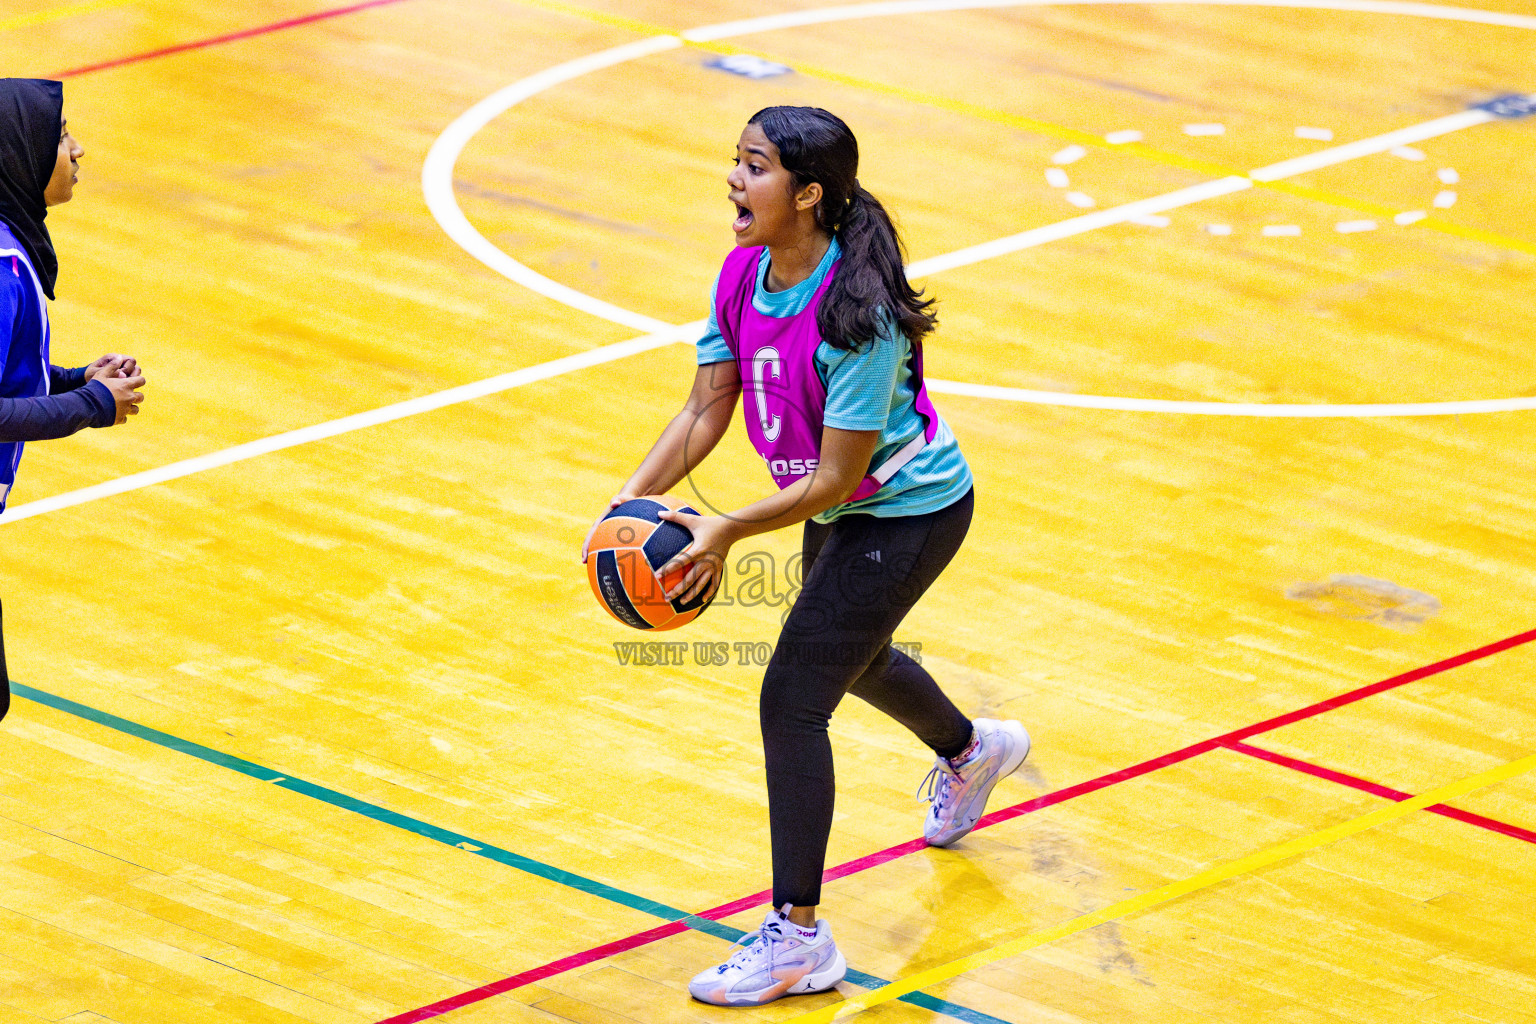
[(328, 727)]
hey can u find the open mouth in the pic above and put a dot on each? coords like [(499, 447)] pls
[(743, 219)]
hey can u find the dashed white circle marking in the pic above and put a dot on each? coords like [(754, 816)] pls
[(437, 186)]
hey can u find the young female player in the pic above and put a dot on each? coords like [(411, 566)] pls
[(39, 165), (812, 316)]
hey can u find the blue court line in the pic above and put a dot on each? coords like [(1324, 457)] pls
[(459, 842)]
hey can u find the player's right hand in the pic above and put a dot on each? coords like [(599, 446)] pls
[(618, 499), (125, 392)]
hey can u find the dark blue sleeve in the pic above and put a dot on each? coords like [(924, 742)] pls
[(54, 415), (61, 380), (10, 316), (51, 416)]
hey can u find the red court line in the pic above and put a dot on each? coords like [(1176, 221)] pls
[(1231, 740), (1412, 676), (549, 970), (1376, 789), (1268, 725), (229, 37)]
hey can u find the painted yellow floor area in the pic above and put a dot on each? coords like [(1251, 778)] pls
[(396, 616)]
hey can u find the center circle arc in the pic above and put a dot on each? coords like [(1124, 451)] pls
[(437, 187)]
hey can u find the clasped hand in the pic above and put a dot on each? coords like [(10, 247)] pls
[(123, 377)]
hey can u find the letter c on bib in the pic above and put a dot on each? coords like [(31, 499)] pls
[(766, 359)]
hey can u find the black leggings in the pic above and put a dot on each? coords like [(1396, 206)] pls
[(862, 574)]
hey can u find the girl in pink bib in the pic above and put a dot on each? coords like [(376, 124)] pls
[(817, 334)]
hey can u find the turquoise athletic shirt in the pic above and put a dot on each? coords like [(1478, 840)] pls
[(866, 390)]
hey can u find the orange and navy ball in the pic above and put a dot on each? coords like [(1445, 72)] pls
[(628, 549)]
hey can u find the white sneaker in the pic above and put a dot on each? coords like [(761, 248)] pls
[(957, 793), (776, 962)]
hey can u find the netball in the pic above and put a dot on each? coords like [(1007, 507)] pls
[(629, 547)]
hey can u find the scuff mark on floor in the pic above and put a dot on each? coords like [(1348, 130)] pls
[(1367, 599)]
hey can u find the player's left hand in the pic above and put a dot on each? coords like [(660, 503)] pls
[(112, 365), (712, 540)]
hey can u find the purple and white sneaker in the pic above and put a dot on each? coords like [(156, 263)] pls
[(778, 961), (958, 791)]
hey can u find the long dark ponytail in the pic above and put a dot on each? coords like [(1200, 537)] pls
[(815, 145)]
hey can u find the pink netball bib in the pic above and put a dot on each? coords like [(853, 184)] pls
[(783, 398)]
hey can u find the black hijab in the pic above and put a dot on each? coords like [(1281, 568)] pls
[(30, 113)]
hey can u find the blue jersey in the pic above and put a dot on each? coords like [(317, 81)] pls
[(24, 338), (868, 389)]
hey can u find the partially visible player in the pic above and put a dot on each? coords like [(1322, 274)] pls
[(813, 317), (39, 166)]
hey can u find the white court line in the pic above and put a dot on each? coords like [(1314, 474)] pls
[(437, 184), (357, 421), (445, 153), (1205, 190), (1257, 410), (1078, 225), (821, 16), (1368, 147)]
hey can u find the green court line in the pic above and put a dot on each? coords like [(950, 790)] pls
[(454, 839), (377, 813)]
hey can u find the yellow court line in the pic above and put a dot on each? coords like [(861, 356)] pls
[(1167, 893), (644, 28), (1445, 227), (1046, 128), (1138, 149), (60, 13)]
